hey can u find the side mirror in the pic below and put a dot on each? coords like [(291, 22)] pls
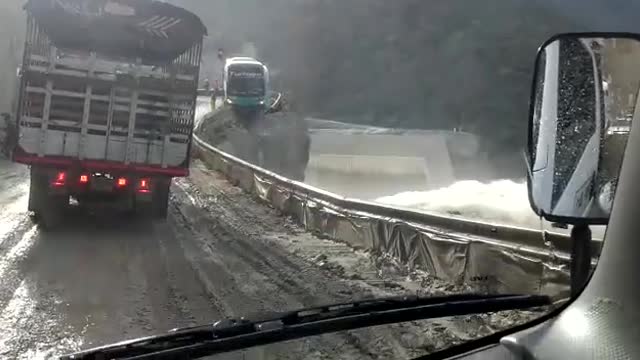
[(276, 103), (584, 100)]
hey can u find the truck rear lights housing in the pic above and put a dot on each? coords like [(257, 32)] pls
[(143, 186), (84, 179), (122, 182), (60, 179)]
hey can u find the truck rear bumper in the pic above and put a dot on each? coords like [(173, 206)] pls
[(93, 189)]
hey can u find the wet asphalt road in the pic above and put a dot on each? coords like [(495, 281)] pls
[(102, 278)]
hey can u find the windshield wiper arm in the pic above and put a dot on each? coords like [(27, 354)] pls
[(230, 335)]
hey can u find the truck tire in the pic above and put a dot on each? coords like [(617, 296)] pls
[(37, 191), (52, 211), (48, 209), (160, 199)]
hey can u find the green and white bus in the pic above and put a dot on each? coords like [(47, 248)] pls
[(246, 83)]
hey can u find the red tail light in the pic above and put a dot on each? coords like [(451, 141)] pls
[(84, 179), (122, 182), (143, 187), (60, 179)]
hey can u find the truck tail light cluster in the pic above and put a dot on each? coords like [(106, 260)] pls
[(60, 179), (143, 186)]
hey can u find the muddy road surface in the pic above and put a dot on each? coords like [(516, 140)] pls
[(102, 278)]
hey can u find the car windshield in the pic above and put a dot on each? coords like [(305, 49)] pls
[(375, 151)]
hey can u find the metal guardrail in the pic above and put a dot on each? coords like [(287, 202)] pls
[(488, 257)]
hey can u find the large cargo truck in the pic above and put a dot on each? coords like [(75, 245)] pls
[(106, 103)]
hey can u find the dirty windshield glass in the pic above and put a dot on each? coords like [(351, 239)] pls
[(134, 199)]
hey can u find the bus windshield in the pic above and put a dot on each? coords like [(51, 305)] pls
[(247, 80)]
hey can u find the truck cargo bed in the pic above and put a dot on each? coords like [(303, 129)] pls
[(81, 106)]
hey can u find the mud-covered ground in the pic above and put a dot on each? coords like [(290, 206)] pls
[(103, 278)]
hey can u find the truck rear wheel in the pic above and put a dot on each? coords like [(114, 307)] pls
[(52, 211), (160, 199), (157, 207), (47, 208), (37, 191)]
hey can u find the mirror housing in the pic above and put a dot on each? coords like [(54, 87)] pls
[(276, 103), (584, 98)]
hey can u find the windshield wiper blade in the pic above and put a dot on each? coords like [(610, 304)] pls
[(230, 335)]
